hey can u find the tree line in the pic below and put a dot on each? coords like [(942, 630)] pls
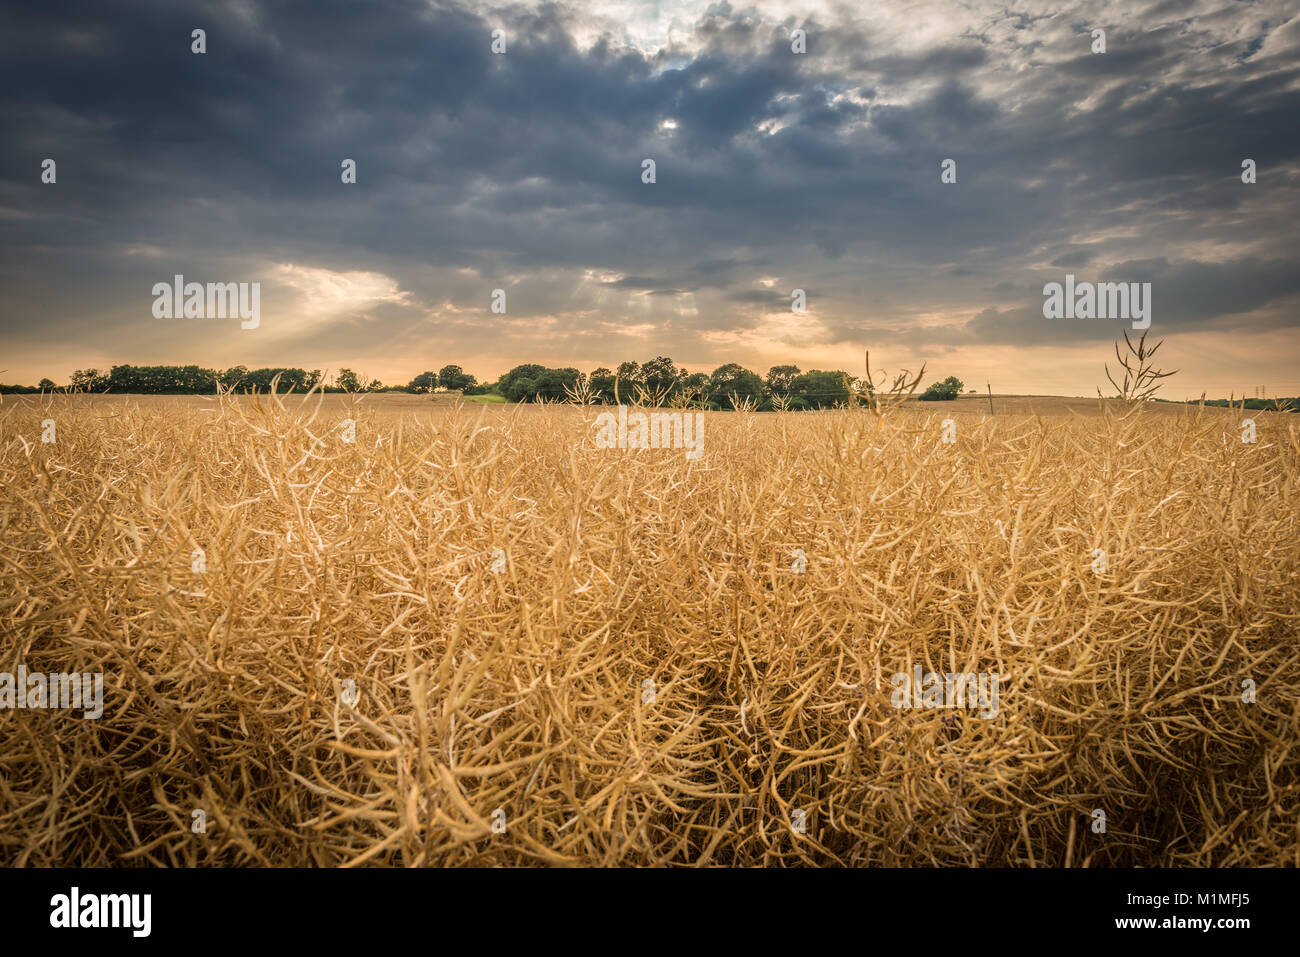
[(659, 381), (195, 380)]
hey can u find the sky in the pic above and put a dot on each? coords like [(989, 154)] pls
[(774, 171)]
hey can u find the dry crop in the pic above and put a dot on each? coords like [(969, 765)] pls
[(615, 657)]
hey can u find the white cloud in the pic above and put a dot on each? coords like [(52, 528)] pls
[(326, 294)]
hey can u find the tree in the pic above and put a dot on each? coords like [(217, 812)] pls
[(734, 379), (347, 381), (819, 390), (193, 380), (601, 384), (424, 382), (455, 378), (552, 383), (89, 380), (233, 378), (46, 385), (527, 383), (944, 391), (780, 377), (260, 380), (694, 386), (629, 372), (659, 376), (519, 384)]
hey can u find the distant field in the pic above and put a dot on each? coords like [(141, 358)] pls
[(474, 637), (1032, 405)]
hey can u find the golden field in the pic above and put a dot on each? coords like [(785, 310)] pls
[(647, 678)]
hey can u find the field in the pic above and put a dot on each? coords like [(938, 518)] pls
[(472, 637)]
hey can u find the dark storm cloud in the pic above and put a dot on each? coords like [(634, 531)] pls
[(524, 171)]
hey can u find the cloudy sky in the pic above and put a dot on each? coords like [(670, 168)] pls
[(774, 171)]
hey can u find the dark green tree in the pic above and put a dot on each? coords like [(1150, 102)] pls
[(455, 378), (512, 384), (629, 372), (944, 391), (819, 390), (734, 379), (89, 380), (779, 379), (424, 382), (601, 382), (660, 376), (552, 383), (695, 385)]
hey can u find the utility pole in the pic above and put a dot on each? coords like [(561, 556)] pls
[(990, 386)]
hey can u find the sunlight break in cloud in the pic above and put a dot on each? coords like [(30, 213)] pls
[(326, 294)]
